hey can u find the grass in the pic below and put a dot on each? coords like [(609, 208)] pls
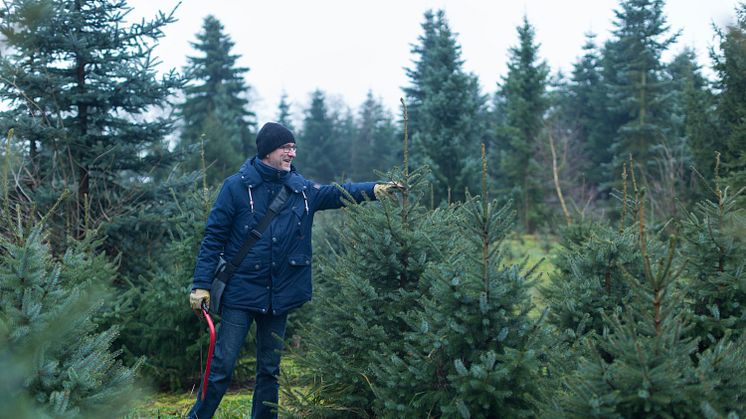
[(532, 249), (235, 404)]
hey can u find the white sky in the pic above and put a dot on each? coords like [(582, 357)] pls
[(347, 47)]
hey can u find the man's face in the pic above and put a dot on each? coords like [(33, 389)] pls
[(281, 157)]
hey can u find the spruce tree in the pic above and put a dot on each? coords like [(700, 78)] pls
[(471, 349), (215, 109), (363, 289), (159, 325), (694, 126), (59, 363), (445, 106), (636, 81), (79, 84), (375, 143), (586, 107), (730, 66), (589, 276), (320, 152), (345, 131), (523, 93), (284, 116), (714, 247), (644, 364)]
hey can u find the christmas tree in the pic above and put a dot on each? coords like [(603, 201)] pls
[(714, 246), (59, 363), (590, 267), (363, 288), (471, 348), (644, 364)]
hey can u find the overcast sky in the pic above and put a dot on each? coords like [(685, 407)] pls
[(347, 47)]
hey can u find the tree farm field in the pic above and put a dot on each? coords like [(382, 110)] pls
[(527, 250)]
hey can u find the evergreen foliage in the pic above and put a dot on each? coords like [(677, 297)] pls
[(693, 115), (364, 289), (723, 371), (446, 108), (318, 143), (586, 105), (636, 81), (284, 116), (59, 363), (589, 276), (374, 144), (649, 371), (714, 247), (523, 94), (158, 323), (730, 65), (78, 83), (415, 312), (644, 363), (215, 108), (471, 350)]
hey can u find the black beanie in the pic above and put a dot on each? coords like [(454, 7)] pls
[(271, 137)]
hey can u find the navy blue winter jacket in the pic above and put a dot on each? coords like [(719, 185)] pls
[(275, 276)]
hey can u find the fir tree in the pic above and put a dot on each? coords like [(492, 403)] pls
[(375, 145), (284, 116), (585, 106), (78, 83), (366, 288), (730, 66), (215, 109), (471, 350), (59, 363), (714, 247), (363, 289), (644, 364), (523, 91), (446, 107), (588, 280), (636, 81), (693, 114), (160, 326), (320, 153), (345, 132)]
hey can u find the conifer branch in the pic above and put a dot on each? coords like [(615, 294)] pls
[(57, 203)]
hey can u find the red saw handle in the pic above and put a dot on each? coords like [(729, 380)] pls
[(206, 313)]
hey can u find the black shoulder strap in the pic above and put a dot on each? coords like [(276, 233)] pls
[(274, 208)]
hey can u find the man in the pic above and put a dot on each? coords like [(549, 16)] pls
[(275, 276)]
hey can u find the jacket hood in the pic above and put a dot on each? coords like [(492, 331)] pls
[(252, 178)]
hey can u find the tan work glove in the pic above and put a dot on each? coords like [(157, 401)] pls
[(383, 189), (195, 300)]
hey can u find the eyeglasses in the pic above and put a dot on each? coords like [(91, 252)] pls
[(288, 148)]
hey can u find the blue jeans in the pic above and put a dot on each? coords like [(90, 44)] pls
[(234, 325)]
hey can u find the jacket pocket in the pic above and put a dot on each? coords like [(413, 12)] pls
[(299, 259)]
